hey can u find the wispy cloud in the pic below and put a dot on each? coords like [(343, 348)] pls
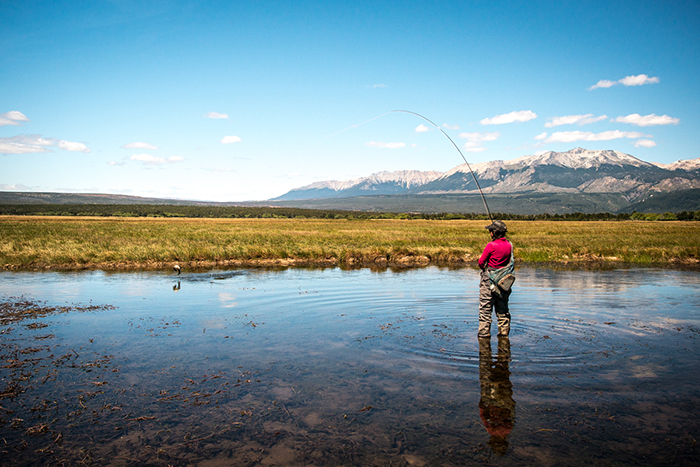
[(231, 139), (153, 160), (574, 119), (17, 187), (603, 83), (633, 80), (648, 120), (27, 144), (474, 140), (215, 115), (381, 144), (421, 128), (645, 143), (72, 146), (375, 86), (516, 116), (572, 136), (479, 137), (218, 170), (450, 127), (24, 144), (138, 145), (541, 136), (473, 147), (13, 117)]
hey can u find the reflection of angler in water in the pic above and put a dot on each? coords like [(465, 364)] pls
[(496, 406)]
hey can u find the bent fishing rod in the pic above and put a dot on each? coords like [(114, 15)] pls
[(488, 211)]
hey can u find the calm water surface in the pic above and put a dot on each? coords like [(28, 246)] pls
[(333, 367)]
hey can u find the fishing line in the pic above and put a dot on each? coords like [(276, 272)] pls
[(352, 126), (488, 211)]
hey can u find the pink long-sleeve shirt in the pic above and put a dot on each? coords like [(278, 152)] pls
[(496, 254)]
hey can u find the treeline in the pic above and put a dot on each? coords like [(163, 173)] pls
[(172, 211)]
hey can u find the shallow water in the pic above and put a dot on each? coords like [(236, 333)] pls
[(333, 367)]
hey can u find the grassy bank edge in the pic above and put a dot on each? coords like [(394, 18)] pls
[(395, 244)]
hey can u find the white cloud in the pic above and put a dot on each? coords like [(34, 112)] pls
[(474, 149), (147, 158), (541, 136), (71, 146), (215, 115), (638, 80), (571, 136), (648, 120), (374, 86), (519, 116), (380, 144), (153, 160), (645, 143), (422, 128), (138, 145), (571, 119), (26, 144), (13, 117), (231, 139), (450, 127), (603, 83), (633, 80), (474, 140), (23, 144), (479, 137)]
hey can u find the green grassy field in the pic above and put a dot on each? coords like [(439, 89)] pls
[(67, 242)]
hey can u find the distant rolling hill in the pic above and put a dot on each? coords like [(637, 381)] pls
[(24, 197)]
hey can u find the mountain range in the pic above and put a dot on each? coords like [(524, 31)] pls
[(578, 180), (578, 171)]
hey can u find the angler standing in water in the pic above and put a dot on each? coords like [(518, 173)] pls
[(497, 265)]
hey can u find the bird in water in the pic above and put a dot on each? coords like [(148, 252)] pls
[(177, 269)]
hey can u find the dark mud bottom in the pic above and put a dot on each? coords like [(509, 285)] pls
[(349, 368)]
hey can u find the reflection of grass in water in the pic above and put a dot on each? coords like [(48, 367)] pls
[(65, 241)]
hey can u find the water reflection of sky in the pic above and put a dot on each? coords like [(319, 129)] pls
[(618, 342)]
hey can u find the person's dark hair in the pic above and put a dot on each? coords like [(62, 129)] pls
[(498, 228)]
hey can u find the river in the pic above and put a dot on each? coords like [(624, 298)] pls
[(349, 367)]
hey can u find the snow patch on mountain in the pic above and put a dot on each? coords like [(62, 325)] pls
[(575, 171), (687, 165), (578, 158), (406, 178)]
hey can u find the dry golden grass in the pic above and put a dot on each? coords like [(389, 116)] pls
[(137, 242)]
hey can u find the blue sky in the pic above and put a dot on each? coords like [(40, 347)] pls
[(245, 100)]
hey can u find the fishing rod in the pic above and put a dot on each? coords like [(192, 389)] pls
[(488, 211)]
